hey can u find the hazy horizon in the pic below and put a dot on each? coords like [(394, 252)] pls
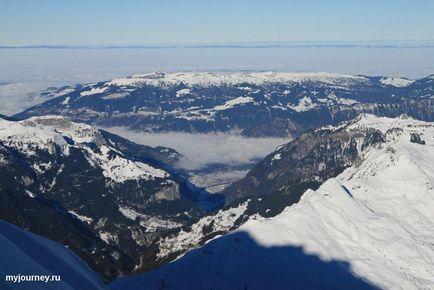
[(27, 71), (379, 43)]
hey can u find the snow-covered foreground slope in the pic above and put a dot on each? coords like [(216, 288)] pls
[(25, 253), (371, 226)]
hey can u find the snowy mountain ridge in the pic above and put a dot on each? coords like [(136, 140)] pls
[(217, 79), (253, 103), (42, 133), (376, 218)]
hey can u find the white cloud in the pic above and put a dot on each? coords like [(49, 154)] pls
[(200, 150), (15, 97)]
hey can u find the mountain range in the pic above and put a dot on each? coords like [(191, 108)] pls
[(367, 226), (250, 103)]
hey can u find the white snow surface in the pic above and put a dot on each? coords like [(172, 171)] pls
[(109, 238), (120, 169), (217, 78), (151, 223), (396, 82), (66, 101), (222, 221), (182, 92), (378, 216), (130, 213), (26, 253), (234, 102), (81, 217), (304, 104), (94, 91), (277, 156), (115, 96), (343, 101)]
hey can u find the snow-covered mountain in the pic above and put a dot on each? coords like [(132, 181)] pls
[(251, 103), (369, 226), (24, 253), (281, 179), (105, 197)]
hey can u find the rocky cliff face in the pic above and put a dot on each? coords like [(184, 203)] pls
[(306, 162)]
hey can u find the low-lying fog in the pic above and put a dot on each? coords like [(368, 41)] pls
[(202, 150)]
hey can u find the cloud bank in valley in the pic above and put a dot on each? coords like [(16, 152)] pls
[(200, 150), (15, 97)]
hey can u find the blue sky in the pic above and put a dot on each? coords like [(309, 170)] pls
[(106, 22)]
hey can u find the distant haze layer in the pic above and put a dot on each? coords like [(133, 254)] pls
[(26, 70)]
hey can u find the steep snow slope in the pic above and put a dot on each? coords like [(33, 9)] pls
[(373, 222), (28, 254)]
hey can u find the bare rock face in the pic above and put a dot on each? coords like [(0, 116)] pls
[(415, 138), (307, 161), (171, 192)]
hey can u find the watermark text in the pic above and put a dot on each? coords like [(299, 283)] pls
[(19, 278)]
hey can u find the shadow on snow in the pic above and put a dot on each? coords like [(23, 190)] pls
[(237, 261)]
